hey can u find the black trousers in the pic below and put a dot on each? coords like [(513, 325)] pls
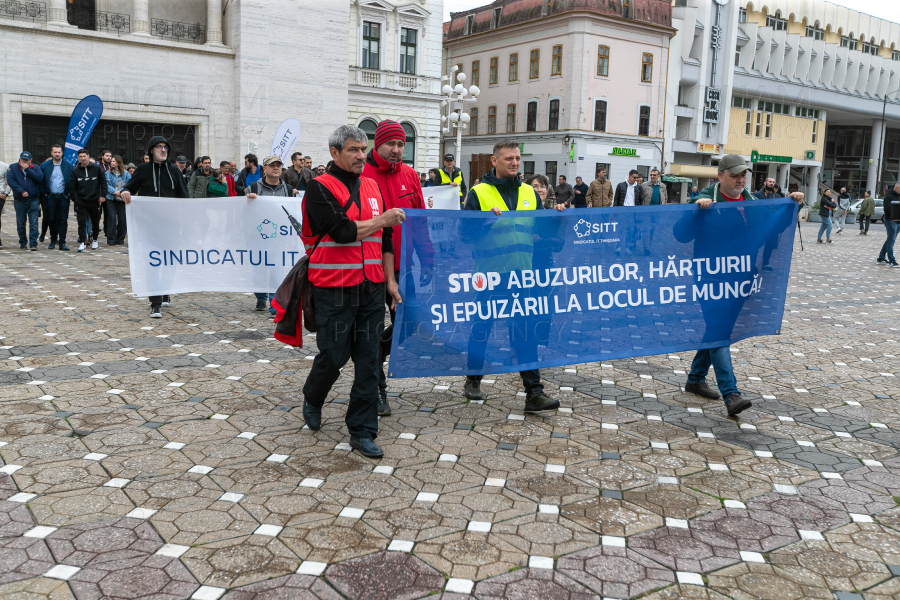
[(865, 220), (115, 221), (350, 321), (58, 205), (85, 208), (46, 219)]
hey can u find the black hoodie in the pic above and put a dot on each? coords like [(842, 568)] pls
[(87, 183), (157, 180)]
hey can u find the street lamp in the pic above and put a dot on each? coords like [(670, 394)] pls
[(453, 104), (878, 181)]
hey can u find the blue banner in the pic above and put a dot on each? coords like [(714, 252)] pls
[(486, 294), (81, 124)]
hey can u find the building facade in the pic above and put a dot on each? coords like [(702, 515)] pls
[(395, 70), (216, 76), (578, 83)]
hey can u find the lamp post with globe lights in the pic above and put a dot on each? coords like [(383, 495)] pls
[(453, 104)]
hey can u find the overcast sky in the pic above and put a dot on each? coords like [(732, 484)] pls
[(885, 9)]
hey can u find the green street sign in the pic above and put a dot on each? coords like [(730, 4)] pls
[(624, 152), (756, 157)]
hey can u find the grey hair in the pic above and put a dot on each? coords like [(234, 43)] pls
[(542, 179), (503, 144), (343, 133)]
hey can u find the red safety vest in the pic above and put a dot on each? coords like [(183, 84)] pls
[(343, 265)]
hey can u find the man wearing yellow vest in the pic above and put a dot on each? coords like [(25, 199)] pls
[(450, 175), (507, 246)]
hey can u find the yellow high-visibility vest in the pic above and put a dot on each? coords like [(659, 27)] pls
[(445, 180), (510, 245)]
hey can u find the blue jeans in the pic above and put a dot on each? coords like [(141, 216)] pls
[(826, 224), (58, 207), (266, 298), (888, 248), (27, 211), (720, 359)]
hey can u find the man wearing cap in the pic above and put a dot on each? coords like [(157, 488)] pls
[(400, 188), (160, 179), (732, 187), (181, 163), (26, 182), (450, 175)]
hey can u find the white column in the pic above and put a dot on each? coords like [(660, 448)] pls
[(812, 185), (784, 177), (57, 14), (213, 22), (140, 20), (874, 156)]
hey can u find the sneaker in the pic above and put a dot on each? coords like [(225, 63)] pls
[(819, 241), (539, 402), (736, 404), (63, 247), (895, 265), (702, 389), (384, 409), (155, 312), (23, 246), (366, 447), (472, 388), (81, 247), (166, 301), (829, 241), (882, 262), (94, 245), (260, 305)]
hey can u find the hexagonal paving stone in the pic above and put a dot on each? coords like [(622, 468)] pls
[(329, 465), (889, 590), (856, 448), (417, 521), (828, 567), (686, 550), (62, 476), (144, 465), (668, 463), (753, 531), (293, 587), (773, 471), (880, 479), (514, 432), (805, 512), (606, 440), (714, 451), (657, 431), (441, 477), (239, 561), (676, 501), (557, 451), (385, 576), (727, 485), (143, 577), (850, 497), (225, 452), (757, 581), (541, 534), (869, 541), (7, 486), (532, 583), (333, 540), (14, 519), (39, 588), (121, 441), (614, 571), (43, 449), (551, 488), (405, 453), (256, 477), (121, 541), (173, 490), (611, 516), (470, 555), (889, 518), (685, 592), (296, 442), (23, 558), (369, 490), (80, 506), (611, 474), (291, 507), (456, 442), (490, 504), (202, 522), (500, 464), (204, 430)]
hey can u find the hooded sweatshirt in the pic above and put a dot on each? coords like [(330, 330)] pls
[(159, 180), (87, 183)]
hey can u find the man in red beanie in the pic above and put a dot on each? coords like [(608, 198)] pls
[(400, 188)]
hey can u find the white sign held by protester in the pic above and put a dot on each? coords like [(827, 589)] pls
[(211, 245), (446, 197), (284, 140)]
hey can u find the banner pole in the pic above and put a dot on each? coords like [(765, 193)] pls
[(800, 233)]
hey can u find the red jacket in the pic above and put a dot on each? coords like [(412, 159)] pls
[(400, 187)]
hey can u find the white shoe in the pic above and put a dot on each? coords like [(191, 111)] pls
[(81, 247), (94, 245)]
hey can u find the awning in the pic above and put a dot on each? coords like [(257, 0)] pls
[(673, 179), (698, 171)]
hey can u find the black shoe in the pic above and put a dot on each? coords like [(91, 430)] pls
[(33, 248), (51, 246), (166, 301), (702, 389), (539, 402), (23, 246), (736, 404), (881, 261), (63, 247), (473, 388), (260, 305), (312, 416), (41, 239), (366, 447), (384, 409), (155, 312)]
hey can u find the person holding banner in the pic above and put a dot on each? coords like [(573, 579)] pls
[(347, 235), (158, 179), (400, 188), (508, 245)]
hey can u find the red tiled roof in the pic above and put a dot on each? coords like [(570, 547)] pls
[(654, 12)]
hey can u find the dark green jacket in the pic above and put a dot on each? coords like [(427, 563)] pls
[(867, 208), (715, 195)]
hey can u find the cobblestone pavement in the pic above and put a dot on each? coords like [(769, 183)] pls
[(167, 458)]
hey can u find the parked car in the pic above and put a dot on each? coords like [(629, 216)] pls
[(879, 210)]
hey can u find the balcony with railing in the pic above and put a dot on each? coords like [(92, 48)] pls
[(391, 80)]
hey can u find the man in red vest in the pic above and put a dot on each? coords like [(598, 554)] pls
[(347, 235), (401, 188)]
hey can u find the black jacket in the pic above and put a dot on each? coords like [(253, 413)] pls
[(824, 205), (622, 189), (157, 180), (892, 206), (87, 183)]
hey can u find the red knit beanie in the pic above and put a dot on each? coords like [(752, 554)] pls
[(387, 131)]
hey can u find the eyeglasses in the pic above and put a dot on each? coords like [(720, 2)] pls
[(162, 147)]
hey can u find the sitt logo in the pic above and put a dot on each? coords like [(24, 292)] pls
[(583, 228), (268, 230), (479, 281)]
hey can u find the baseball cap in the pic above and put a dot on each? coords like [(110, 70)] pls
[(25, 156), (734, 164), (449, 157), (181, 159), (269, 160)]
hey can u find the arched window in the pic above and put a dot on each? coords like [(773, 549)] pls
[(776, 22), (369, 127), (409, 151)]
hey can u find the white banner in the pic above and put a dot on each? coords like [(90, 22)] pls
[(284, 140), (446, 197), (179, 245)]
